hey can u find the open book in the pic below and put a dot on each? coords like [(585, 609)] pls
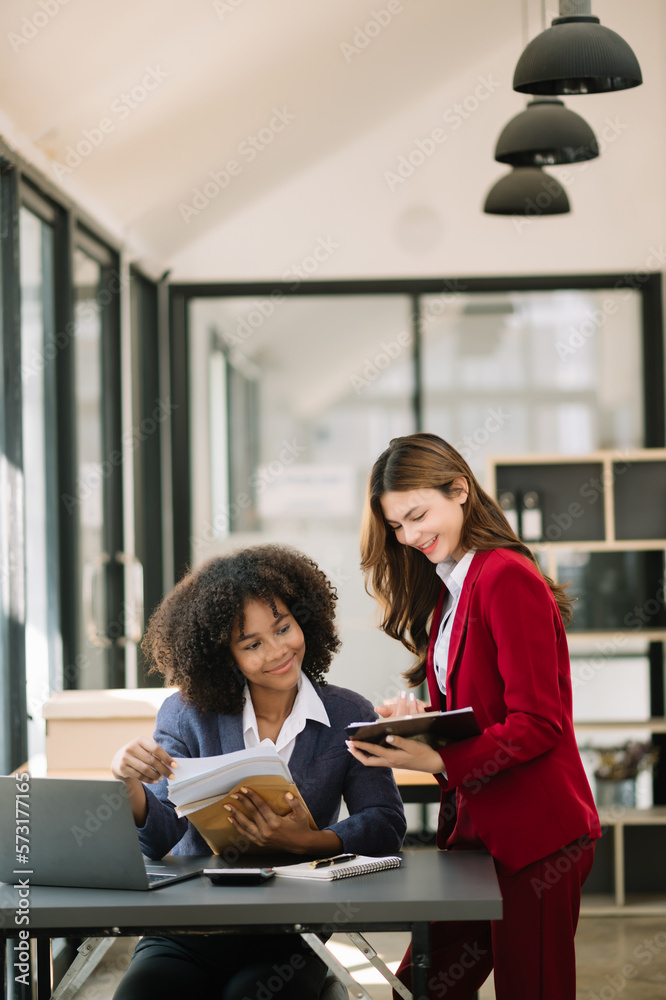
[(205, 784), (435, 728)]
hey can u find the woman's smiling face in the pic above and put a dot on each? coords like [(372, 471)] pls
[(428, 520), (270, 650)]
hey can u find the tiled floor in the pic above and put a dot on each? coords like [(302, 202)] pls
[(618, 959)]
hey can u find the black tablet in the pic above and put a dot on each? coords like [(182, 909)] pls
[(435, 728)]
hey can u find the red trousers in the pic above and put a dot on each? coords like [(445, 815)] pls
[(531, 949)]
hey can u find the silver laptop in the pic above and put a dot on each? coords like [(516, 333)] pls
[(78, 833)]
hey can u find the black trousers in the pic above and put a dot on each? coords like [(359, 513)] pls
[(223, 967)]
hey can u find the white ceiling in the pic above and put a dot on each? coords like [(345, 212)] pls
[(218, 70)]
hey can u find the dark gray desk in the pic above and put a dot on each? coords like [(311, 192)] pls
[(430, 885)]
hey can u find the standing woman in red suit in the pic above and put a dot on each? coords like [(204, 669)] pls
[(460, 590)]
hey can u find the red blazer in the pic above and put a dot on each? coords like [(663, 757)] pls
[(522, 780)]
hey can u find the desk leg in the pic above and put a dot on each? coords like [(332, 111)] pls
[(319, 948), (43, 963), (420, 960)]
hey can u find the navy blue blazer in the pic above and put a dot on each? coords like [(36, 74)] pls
[(321, 766)]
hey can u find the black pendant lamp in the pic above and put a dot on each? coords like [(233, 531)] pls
[(546, 132), (527, 191), (576, 55)]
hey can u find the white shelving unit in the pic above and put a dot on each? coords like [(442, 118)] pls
[(620, 900), (602, 502)]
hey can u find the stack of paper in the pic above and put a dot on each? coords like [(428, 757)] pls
[(204, 785), (199, 778)]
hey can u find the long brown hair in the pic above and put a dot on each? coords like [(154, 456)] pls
[(399, 577)]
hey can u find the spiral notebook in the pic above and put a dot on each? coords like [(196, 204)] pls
[(358, 866)]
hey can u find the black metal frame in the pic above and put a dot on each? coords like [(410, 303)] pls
[(148, 459), (50, 216), (649, 284), (110, 360), (21, 183), (12, 625), (41, 970)]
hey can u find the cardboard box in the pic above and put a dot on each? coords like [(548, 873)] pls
[(84, 729)]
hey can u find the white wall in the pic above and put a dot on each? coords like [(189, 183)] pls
[(432, 224)]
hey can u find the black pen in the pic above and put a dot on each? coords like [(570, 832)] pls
[(326, 862)]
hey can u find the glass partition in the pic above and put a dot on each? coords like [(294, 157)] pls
[(290, 403), (42, 609), (550, 372), (292, 398)]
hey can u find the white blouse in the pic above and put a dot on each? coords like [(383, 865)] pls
[(308, 705), (453, 575)]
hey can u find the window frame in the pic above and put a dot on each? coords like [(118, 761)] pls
[(647, 283), (22, 184)]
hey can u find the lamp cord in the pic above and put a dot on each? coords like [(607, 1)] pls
[(525, 23)]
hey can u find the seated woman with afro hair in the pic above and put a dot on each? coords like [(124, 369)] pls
[(247, 639)]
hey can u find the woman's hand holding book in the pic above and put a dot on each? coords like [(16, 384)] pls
[(291, 832)]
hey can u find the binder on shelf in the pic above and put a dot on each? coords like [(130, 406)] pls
[(531, 517)]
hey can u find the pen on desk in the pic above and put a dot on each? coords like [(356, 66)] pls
[(326, 862)]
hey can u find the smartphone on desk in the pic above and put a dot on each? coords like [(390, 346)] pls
[(239, 876)]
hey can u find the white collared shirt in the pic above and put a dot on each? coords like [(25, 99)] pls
[(453, 575), (308, 705)]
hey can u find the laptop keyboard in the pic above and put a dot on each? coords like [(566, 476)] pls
[(155, 877)]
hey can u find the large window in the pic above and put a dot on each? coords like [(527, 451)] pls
[(38, 350), (534, 371), (292, 397), (290, 402), (96, 501), (72, 422), (307, 398)]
